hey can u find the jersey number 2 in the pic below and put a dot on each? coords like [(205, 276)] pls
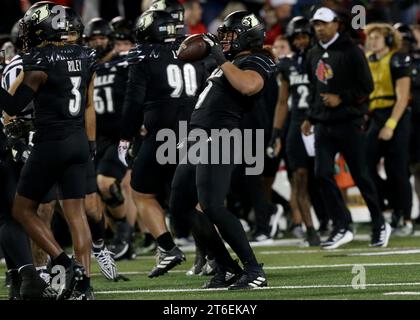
[(176, 81)]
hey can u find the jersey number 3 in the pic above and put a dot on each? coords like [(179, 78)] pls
[(74, 104), (177, 81)]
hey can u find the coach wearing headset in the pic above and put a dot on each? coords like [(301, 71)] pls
[(389, 130), (341, 84)]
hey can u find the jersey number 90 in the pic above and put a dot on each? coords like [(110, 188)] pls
[(178, 79)]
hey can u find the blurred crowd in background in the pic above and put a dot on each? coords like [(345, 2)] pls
[(206, 15)]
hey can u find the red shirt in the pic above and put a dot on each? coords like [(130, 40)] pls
[(198, 28)]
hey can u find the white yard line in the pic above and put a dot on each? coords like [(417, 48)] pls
[(292, 267), (402, 293), (327, 286)]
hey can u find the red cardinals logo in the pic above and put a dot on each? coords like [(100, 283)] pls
[(324, 71)]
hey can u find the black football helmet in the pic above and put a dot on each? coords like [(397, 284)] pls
[(16, 35), (249, 30), (100, 27), (123, 29), (296, 26), (174, 8), (406, 32), (156, 26), (44, 21), (75, 23)]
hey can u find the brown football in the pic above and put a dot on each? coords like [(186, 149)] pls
[(193, 48)]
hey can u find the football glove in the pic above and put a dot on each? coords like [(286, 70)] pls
[(216, 48), (123, 147)]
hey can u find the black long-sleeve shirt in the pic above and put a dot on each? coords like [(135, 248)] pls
[(340, 69)]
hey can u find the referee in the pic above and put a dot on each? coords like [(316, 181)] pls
[(341, 83)]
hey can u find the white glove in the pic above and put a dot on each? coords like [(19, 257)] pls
[(123, 147)]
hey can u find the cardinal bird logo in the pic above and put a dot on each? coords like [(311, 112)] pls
[(324, 72)]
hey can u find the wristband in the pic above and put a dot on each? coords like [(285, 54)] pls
[(391, 123)]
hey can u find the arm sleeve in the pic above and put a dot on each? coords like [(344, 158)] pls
[(362, 82), (16, 103), (135, 94)]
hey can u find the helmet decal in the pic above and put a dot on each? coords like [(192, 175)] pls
[(250, 21), (41, 14)]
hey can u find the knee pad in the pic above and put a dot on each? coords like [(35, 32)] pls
[(117, 198)]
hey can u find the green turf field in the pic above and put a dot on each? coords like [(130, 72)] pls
[(292, 272)]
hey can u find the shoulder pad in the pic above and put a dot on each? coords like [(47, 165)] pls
[(265, 62), (35, 59), (138, 54), (400, 60)]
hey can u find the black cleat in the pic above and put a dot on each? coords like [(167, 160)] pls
[(312, 238), (252, 278), (224, 277), (74, 273), (33, 287), (82, 290), (166, 260), (199, 263), (14, 284)]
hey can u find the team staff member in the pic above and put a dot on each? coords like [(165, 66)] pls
[(389, 130), (341, 83)]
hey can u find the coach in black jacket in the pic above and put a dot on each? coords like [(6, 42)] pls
[(341, 83)]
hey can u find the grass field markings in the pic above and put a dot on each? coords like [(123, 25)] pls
[(268, 252), (385, 253), (291, 267), (402, 293), (321, 286), (315, 266)]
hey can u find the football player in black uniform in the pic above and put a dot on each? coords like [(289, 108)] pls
[(232, 89), (14, 242), (108, 95), (56, 77), (94, 214), (295, 84), (161, 92)]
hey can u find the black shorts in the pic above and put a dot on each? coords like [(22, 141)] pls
[(148, 176), (107, 162), (61, 161), (297, 157)]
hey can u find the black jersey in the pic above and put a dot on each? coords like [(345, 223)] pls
[(161, 90), (60, 103), (293, 71), (109, 92), (222, 106)]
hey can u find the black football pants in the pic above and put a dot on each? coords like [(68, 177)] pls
[(396, 154), (350, 140)]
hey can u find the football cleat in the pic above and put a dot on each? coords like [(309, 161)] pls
[(312, 238), (199, 263), (106, 262), (223, 277), (166, 260), (337, 238), (209, 269), (33, 287), (74, 273), (380, 238), (252, 278), (15, 282)]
